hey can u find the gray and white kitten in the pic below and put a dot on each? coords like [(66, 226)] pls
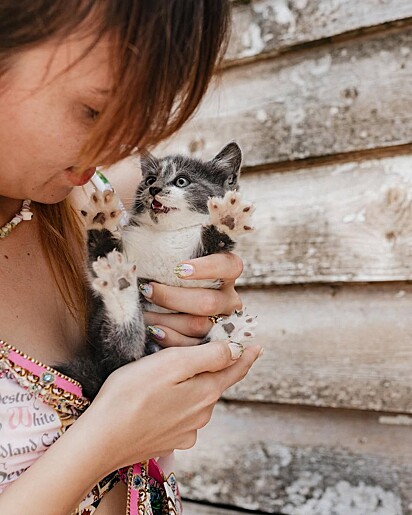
[(184, 208)]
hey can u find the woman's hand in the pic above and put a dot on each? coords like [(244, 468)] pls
[(199, 303), (149, 407)]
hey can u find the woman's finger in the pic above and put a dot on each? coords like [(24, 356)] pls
[(225, 266), (187, 325), (211, 357), (167, 337), (196, 301), (232, 375)]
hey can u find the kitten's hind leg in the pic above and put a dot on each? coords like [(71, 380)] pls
[(237, 327), (122, 330)]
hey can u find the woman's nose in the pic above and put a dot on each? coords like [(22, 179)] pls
[(154, 190)]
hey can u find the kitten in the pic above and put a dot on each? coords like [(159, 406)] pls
[(184, 208)]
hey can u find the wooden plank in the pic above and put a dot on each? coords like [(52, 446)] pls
[(300, 461), (272, 26), (341, 98), (350, 222), (191, 508), (341, 346)]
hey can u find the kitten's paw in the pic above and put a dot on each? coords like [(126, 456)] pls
[(116, 284), (231, 215), (103, 211), (237, 327)]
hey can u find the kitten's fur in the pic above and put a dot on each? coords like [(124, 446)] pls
[(184, 208)]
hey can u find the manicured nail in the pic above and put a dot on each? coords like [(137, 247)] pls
[(158, 333), (146, 289), (261, 352), (236, 349), (183, 270)]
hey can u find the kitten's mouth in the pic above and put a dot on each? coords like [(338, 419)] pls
[(158, 207)]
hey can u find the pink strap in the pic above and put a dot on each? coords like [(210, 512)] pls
[(39, 370)]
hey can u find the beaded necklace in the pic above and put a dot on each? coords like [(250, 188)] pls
[(25, 214)]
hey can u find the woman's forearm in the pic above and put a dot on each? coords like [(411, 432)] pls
[(57, 482)]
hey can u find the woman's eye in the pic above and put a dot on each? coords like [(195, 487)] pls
[(182, 182), (150, 180), (92, 113)]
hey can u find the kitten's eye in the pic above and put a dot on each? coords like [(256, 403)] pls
[(182, 182), (231, 180), (150, 180)]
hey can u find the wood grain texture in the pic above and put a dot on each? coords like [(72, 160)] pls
[(342, 98), (272, 26), (191, 508), (350, 222), (336, 346), (300, 461)]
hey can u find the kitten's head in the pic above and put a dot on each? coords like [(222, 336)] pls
[(175, 189)]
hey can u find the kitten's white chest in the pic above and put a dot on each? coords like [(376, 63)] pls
[(156, 253)]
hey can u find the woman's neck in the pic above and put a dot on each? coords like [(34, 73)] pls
[(8, 208)]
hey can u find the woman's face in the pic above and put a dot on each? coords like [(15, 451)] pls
[(48, 105)]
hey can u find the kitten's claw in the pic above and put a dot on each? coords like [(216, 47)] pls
[(103, 211), (231, 215), (116, 284), (237, 327)]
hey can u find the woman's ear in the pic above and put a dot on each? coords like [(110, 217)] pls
[(148, 163), (228, 162)]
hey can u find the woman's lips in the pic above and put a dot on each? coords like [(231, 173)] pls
[(79, 179)]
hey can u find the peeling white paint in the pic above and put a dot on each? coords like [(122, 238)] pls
[(261, 115), (283, 14), (340, 499), (300, 4), (396, 420), (400, 294), (252, 41), (321, 66)]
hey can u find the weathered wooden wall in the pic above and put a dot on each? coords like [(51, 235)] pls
[(318, 94)]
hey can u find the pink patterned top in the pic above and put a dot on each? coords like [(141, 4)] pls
[(37, 404)]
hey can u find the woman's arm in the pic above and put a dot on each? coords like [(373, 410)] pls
[(178, 386)]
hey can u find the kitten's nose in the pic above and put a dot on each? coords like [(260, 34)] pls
[(154, 191)]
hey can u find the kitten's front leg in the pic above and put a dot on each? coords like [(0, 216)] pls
[(102, 217), (116, 329), (229, 218)]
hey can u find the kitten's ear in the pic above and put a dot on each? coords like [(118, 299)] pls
[(148, 163), (228, 160)]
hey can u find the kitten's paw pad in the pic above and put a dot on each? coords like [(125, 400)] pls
[(114, 273), (230, 214), (103, 211), (237, 327), (116, 284)]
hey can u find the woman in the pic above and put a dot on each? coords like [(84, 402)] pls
[(81, 83)]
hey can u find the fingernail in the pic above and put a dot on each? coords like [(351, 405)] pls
[(146, 289), (261, 352), (183, 270), (158, 333), (236, 349)]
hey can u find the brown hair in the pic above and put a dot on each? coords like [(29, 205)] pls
[(164, 53)]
